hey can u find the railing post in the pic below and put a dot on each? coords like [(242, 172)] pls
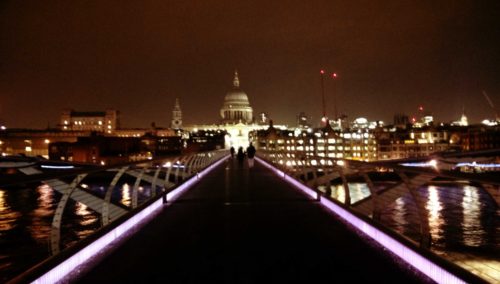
[(345, 184), (55, 236), (425, 239), (164, 194), (374, 194)]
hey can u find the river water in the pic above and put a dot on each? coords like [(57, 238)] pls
[(462, 217), (26, 216)]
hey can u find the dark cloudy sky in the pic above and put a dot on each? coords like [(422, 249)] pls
[(138, 56)]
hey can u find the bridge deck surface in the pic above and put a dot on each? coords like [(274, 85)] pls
[(240, 225)]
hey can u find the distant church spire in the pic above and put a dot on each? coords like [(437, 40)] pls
[(236, 80), (176, 116)]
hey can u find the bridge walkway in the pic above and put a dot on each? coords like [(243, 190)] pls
[(240, 225)]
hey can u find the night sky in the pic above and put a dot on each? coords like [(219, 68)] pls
[(138, 56)]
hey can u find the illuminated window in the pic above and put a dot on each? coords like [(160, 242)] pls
[(28, 149)]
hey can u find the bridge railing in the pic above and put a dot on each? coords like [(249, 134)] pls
[(110, 195), (331, 178), (322, 173), (319, 173)]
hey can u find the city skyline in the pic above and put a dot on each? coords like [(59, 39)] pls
[(390, 57)]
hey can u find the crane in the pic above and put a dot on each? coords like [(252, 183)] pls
[(491, 105)]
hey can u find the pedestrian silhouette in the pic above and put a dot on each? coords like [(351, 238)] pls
[(232, 152), (250, 154), (240, 155)]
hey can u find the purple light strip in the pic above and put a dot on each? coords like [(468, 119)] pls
[(171, 196), (289, 179), (429, 268), (98, 246)]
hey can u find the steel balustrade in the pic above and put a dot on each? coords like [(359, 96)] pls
[(317, 172), (176, 169)]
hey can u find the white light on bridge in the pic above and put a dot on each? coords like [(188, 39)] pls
[(56, 167), (429, 164), (474, 164)]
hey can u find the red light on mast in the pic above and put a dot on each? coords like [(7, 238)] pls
[(322, 71), (334, 75), (420, 108)]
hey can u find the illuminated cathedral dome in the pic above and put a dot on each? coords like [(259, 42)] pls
[(236, 107)]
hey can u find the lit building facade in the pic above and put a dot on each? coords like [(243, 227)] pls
[(398, 143), (32, 143), (100, 121), (355, 145), (139, 132)]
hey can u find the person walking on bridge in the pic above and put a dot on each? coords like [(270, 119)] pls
[(250, 155), (240, 155), (232, 152)]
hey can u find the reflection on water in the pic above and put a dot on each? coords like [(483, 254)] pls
[(26, 216), (87, 215), (42, 213), (357, 191), (7, 215), (125, 200), (87, 221), (338, 193), (474, 232), (434, 209), (400, 215), (460, 217)]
